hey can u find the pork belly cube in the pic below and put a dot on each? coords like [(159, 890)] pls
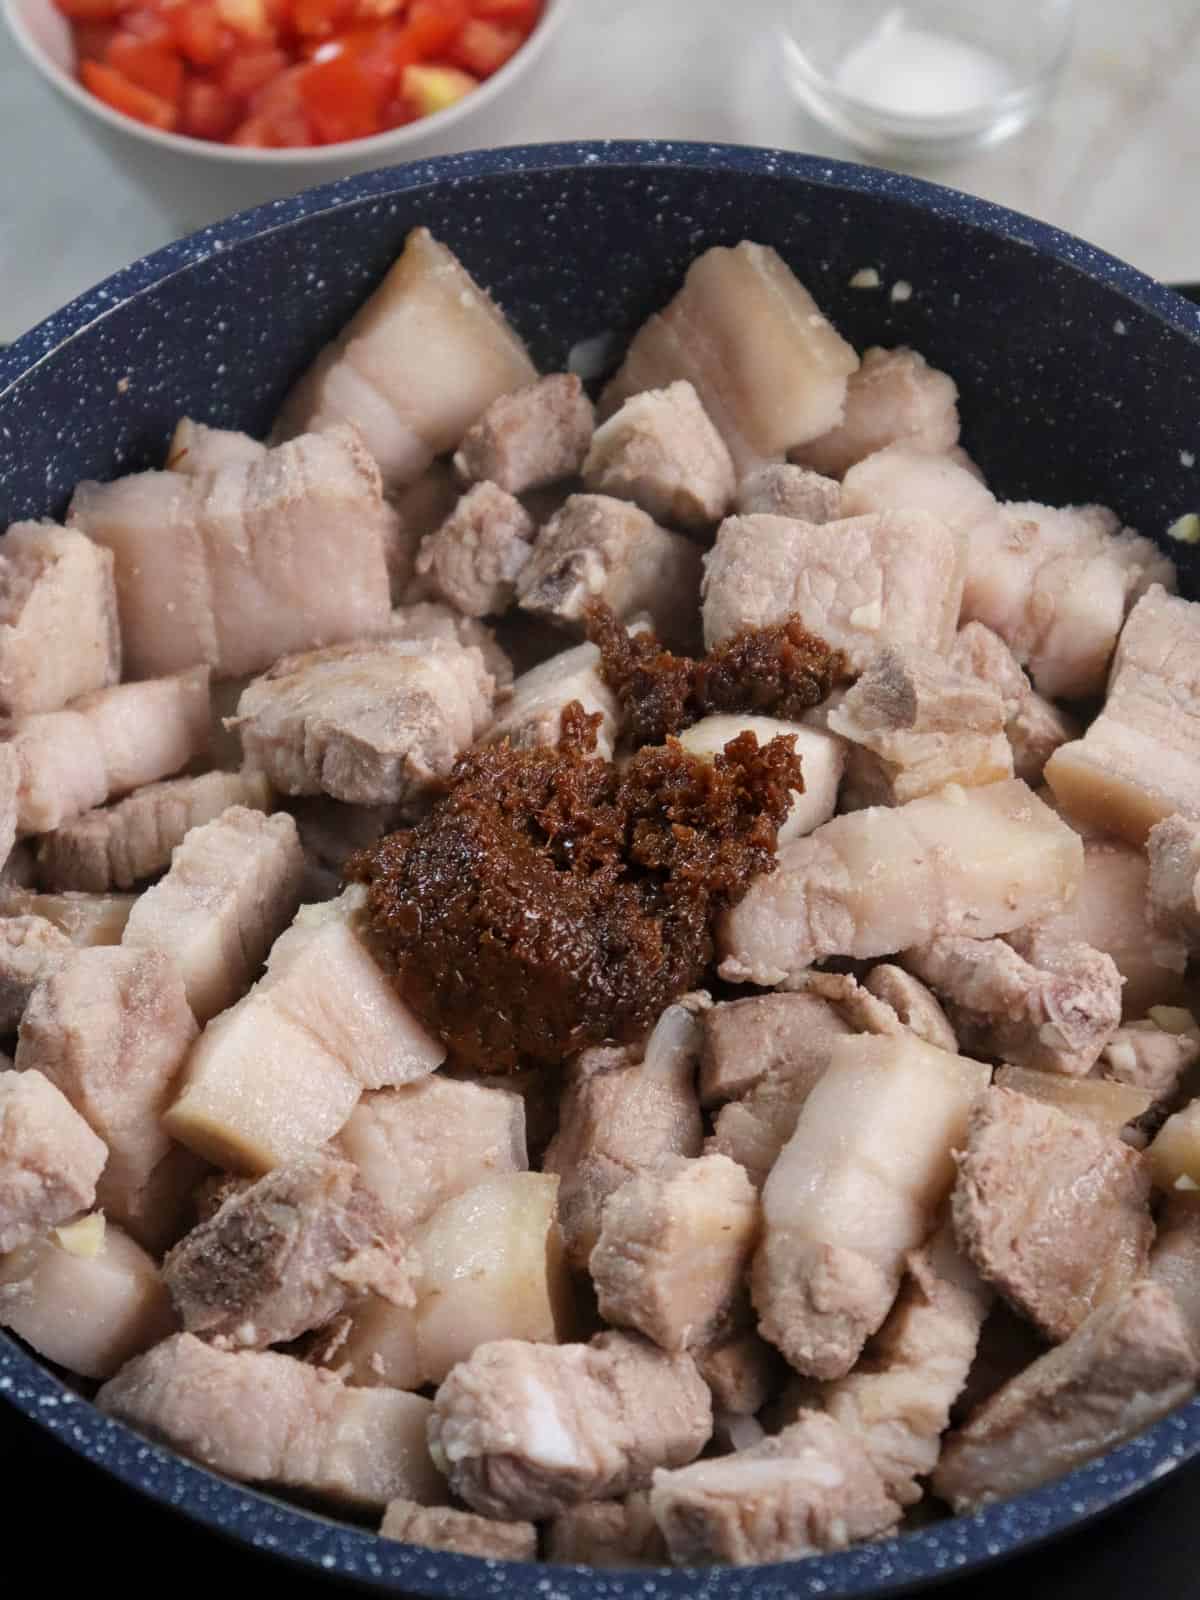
[(1125, 1367), (444, 1528), (808, 1489), (492, 1267), (1151, 1057), (372, 723), (673, 1249), (233, 886), (1174, 1155), (262, 1417), (1042, 1004), (241, 566), (117, 846), (50, 1159), (1052, 1209), (895, 397), (778, 489), (1111, 1106), (472, 561), (59, 637), (1175, 1258), (600, 548), (897, 1402), (769, 369), (964, 861), (661, 450), (620, 1116), (105, 744), (922, 725), (526, 1430), (533, 715), (430, 619), (196, 448), (767, 1035), (530, 437), (855, 1189), (86, 1297), (741, 1370), (1033, 725), (607, 1533), (30, 949), (913, 1003), (111, 1029), (85, 919), (418, 363), (859, 583), (822, 758), (283, 1069), (1173, 886), (283, 1255)]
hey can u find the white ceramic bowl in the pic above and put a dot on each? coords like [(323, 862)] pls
[(213, 179)]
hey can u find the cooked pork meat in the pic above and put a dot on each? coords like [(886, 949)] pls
[(197, 449), (529, 437), (859, 583), (1175, 1259), (600, 548), (418, 1146), (767, 1036), (86, 919), (674, 1246), (1111, 1106), (740, 1369), (12, 865), (1173, 887), (913, 1003), (1127, 1365), (30, 949), (661, 451), (372, 723), (1051, 1209), (111, 1029), (769, 369), (418, 363), (895, 397), (526, 1430), (1041, 1004), (243, 565), (49, 1158), (263, 1417), (431, 620), (620, 1116), (283, 1255), (86, 1297), (607, 1533), (856, 1188), (472, 561), (808, 1489), (492, 1267), (233, 886), (897, 1402), (58, 619), (533, 716), (1034, 726), (117, 846), (921, 724), (1148, 1056), (778, 489), (443, 1528), (822, 759), (964, 861), (283, 1070), (105, 744)]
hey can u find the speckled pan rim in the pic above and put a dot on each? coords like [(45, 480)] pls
[(944, 1550)]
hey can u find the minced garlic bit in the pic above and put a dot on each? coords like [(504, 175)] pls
[(84, 1238), (954, 794), (902, 289), (1172, 1019), (1186, 1184), (869, 616), (866, 278), (1186, 529), (1187, 458)]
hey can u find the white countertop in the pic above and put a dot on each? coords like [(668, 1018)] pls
[(1117, 158)]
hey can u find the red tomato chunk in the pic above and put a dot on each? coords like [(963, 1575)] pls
[(284, 74)]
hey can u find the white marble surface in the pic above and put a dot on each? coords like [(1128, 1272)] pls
[(1116, 159)]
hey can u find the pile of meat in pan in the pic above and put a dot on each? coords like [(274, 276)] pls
[(308, 766)]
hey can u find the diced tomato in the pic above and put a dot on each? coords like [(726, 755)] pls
[(116, 90), (248, 18), (92, 39), (151, 66), (483, 47), (516, 13), (319, 19), (373, 48), (433, 26), (147, 23), (91, 10), (250, 70), (342, 100), (200, 34), (207, 111)]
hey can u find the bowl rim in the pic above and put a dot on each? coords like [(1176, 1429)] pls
[(959, 1546), (389, 145)]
